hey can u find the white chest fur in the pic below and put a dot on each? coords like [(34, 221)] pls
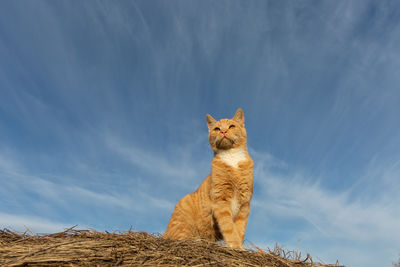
[(232, 157)]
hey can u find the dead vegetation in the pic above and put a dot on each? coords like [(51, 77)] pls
[(92, 248)]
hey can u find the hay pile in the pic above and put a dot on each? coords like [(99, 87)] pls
[(93, 248)]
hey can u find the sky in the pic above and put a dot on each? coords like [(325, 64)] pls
[(103, 104)]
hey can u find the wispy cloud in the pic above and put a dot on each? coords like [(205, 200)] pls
[(56, 192), (179, 165), (31, 194), (22, 223), (334, 218)]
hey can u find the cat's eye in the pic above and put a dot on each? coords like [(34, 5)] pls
[(217, 129), (232, 126)]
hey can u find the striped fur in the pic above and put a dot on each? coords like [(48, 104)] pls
[(220, 207)]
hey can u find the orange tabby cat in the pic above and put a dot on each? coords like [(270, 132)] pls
[(220, 207)]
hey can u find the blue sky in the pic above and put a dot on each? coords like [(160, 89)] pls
[(103, 104)]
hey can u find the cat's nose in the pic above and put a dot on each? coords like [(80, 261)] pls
[(223, 132)]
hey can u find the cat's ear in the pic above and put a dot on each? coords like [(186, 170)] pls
[(210, 121), (239, 117)]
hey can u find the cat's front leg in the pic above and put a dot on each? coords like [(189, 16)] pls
[(223, 216), (241, 220)]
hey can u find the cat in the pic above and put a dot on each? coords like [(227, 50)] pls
[(220, 207)]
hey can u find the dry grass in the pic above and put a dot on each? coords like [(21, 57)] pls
[(92, 248)]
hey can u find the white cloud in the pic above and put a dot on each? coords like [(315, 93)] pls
[(37, 194), (22, 223), (155, 202), (335, 218), (61, 193), (178, 166)]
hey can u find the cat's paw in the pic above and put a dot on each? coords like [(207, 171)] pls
[(236, 245)]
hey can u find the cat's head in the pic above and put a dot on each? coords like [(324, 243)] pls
[(227, 133)]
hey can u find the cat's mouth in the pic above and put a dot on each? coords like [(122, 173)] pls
[(225, 143)]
